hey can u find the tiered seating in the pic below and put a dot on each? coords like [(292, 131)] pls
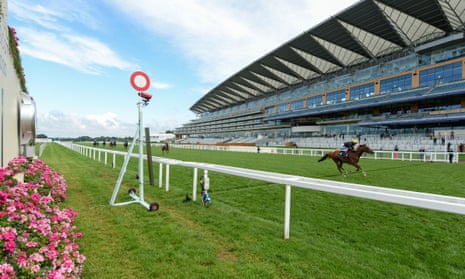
[(403, 142), (408, 142)]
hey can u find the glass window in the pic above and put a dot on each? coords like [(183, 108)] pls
[(296, 105), (362, 91), (396, 84), (315, 101), (441, 74), (282, 108), (336, 97)]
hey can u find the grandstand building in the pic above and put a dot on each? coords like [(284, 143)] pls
[(378, 67)]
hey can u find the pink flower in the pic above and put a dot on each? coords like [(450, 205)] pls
[(52, 254), (7, 271), (36, 257), (18, 164), (8, 233), (31, 244), (45, 243), (35, 268), (9, 247), (21, 259)]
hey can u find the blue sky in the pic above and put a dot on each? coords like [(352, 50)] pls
[(78, 55)]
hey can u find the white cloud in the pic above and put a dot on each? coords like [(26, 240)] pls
[(58, 123), (46, 36), (50, 13), (223, 37), (218, 38), (160, 85), (37, 14), (63, 124), (107, 120), (82, 53)]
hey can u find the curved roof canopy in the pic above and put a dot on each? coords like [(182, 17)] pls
[(365, 31)]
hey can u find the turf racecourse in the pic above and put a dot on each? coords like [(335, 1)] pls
[(241, 234)]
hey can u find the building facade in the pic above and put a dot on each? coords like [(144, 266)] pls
[(378, 66), (17, 108)]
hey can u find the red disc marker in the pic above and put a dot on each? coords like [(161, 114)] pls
[(140, 81)]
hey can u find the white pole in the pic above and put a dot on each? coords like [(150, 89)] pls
[(206, 181), (141, 159), (167, 178), (287, 212), (160, 176), (194, 186)]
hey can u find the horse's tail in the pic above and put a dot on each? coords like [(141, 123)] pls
[(323, 158)]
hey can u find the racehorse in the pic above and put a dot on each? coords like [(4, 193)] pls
[(352, 158), (165, 148)]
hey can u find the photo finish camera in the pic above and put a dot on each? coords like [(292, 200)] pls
[(145, 96), (140, 81)]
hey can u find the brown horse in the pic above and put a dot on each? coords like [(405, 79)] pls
[(165, 148), (352, 158)]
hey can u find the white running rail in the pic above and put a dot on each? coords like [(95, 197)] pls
[(417, 199)]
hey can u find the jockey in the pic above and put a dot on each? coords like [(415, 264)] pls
[(349, 146)]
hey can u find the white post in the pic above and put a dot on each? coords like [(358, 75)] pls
[(167, 178), (114, 161), (206, 180), (160, 176), (194, 186), (141, 154), (287, 212)]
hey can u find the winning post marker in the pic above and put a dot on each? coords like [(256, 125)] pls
[(140, 82)]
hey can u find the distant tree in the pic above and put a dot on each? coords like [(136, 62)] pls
[(42, 136), (84, 138)]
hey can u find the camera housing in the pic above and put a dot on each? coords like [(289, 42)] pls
[(146, 96)]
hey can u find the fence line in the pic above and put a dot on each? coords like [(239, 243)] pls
[(427, 156), (417, 199)]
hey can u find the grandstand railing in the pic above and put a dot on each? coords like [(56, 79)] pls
[(417, 199)]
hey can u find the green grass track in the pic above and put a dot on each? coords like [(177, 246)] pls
[(241, 234)]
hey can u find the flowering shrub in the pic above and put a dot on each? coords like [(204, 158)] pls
[(18, 164), (37, 237)]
